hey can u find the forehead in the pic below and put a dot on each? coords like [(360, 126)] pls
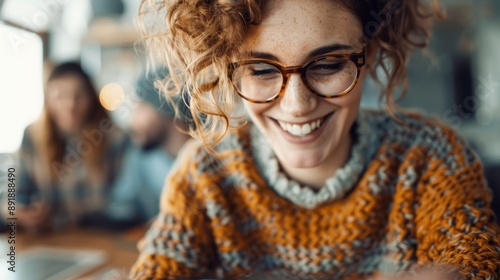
[(292, 28), (64, 82)]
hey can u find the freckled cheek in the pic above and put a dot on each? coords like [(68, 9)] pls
[(257, 111), (351, 100)]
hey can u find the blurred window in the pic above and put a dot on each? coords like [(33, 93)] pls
[(21, 84)]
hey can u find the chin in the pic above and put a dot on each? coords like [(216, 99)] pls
[(70, 129), (300, 158)]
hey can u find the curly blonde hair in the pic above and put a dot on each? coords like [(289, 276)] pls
[(198, 38)]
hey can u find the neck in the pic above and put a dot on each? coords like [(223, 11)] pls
[(68, 136), (174, 143), (316, 177)]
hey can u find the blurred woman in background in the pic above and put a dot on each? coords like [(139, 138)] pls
[(69, 156)]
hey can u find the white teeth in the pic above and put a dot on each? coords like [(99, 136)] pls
[(300, 130), (282, 125), (306, 129)]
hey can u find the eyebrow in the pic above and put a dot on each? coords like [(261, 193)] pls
[(328, 49), (313, 53)]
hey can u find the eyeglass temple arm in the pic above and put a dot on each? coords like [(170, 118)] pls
[(359, 58)]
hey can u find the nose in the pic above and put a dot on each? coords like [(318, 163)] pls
[(297, 100), (71, 104)]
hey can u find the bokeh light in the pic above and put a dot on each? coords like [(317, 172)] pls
[(112, 96)]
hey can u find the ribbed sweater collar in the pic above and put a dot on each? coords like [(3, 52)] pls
[(335, 187)]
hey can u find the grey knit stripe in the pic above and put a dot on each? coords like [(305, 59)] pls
[(180, 250), (171, 243), (374, 259)]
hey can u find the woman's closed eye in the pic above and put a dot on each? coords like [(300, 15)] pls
[(328, 68), (264, 71)]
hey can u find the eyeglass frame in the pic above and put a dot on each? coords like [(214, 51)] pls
[(359, 60)]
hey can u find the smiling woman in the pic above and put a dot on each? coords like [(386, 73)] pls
[(311, 185)]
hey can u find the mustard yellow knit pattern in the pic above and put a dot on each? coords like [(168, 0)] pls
[(419, 199)]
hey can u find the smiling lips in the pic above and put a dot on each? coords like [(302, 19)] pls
[(301, 129)]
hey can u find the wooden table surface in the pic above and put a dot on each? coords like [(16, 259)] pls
[(120, 248)]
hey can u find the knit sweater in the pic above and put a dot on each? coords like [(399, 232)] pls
[(412, 193)]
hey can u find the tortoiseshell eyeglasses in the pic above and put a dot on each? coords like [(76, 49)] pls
[(329, 76)]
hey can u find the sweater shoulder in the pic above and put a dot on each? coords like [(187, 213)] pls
[(27, 142), (411, 129), (200, 160), (199, 175)]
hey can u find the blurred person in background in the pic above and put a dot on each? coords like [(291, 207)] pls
[(158, 136), (69, 156)]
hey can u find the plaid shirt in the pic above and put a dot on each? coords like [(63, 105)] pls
[(72, 194)]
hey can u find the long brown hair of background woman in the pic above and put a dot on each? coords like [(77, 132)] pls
[(51, 146)]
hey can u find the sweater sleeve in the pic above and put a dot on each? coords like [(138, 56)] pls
[(455, 224), (179, 243)]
